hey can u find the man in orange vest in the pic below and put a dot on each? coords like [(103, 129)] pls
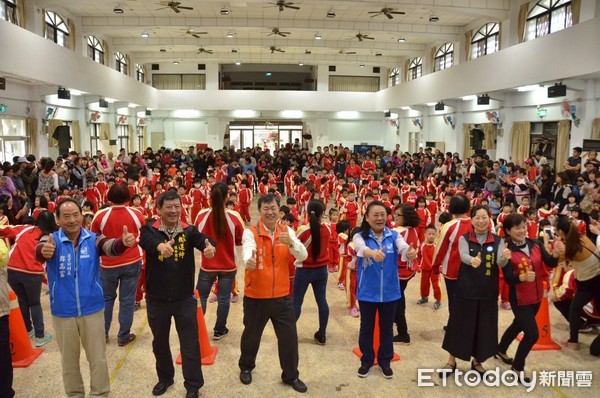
[(266, 250)]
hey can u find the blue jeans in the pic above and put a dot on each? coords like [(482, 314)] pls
[(126, 279), (317, 277), (224, 284)]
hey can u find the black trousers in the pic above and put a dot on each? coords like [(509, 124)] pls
[(400, 317), (450, 289), (28, 289), (586, 291), (6, 374), (159, 319), (368, 310), (257, 312), (524, 322)]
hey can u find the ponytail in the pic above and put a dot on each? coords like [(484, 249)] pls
[(573, 243), (217, 197), (315, 210)]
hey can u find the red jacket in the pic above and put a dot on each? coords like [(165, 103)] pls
[(427, 256), (446, 248), (407, 269), (22, 253), (304, 235), (225, 258), (109, 222)]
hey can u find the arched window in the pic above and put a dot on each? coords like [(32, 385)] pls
[(95, 49), (394, 76), (486, 40), (548, 16), (56, 29), (415, 68), (139, 73), (121, 62), (444, 57), (8, 11)]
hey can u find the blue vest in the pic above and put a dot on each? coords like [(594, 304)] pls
[(74, 276), (379, 282)]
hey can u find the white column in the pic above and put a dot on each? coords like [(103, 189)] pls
[(212, 76), (322, 78)]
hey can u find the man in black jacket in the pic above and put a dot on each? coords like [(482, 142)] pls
[(170, 275)]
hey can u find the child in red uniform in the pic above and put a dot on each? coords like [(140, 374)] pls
[(350, 259), (506, 210), (424, 215), (245, 198), (263, 187), (428, 275), (432, 206), (342, 228), (532, 224), (411, 199), (334, 250), (92, 194), (350, 210), (101, 184), (524, 205), (289, 220)]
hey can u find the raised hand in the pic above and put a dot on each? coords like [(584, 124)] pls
[(128, 238), (411, 253), (595, 227), (285, 238), (378, 255), (559, 247), (209, 250), (166, 249), (251, 263), (476, 261), (528, 276), (506, 252), (49, 247)]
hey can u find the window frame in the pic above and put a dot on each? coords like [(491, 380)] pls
[(140, 73), (415, 68), (441, 55), (487, 31), (549, 9), (121, 62), (123, 136), (95, 49), (20, 136), (394, 77), (10, 11), (54, 26)]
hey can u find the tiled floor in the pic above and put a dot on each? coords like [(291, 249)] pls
[(328, 370)]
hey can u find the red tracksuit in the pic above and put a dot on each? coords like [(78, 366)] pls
[(428, 274)]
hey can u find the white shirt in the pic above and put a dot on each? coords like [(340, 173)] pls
[(360, 246), (297, 249)]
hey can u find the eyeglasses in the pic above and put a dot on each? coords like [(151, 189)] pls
[(399, 215)]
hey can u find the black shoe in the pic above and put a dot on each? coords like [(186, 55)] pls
[(192, 394), (474, 367), (521, 378), (363, 371), (445, 327), (451, 369), (388, 373), (297, 385), (161, 387), (404, 340), (246, 376), (320, 338), (219, 335), (106, 336), (504, 358), (126, 340)]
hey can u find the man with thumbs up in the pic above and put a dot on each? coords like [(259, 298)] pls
[(170, 269), (72, 257)]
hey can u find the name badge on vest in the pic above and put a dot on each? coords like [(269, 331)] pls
[(84, 253), (490, 249)]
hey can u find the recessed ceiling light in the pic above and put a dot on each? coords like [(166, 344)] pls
[(330, 14), (307, 52), (401, 40), (145, 34), (229, 35), (433, 18), (238, 62), (361, 65), (176, 62), (300, 63), (317, 36), (224, 11), (378, 54)]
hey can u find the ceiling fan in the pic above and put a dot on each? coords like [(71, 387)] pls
[(276, 31), (362, 37), (347, 52), (173, 5), (387, 11), (282, 4), (275, 49), (195, 34), (203, 50)]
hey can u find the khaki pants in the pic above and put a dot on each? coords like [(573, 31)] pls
[(86, 331)]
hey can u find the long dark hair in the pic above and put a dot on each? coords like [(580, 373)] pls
[(315, 209), (573, 244), (364, 226), (46, 222), (218, 193)]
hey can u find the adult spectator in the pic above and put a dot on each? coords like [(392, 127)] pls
[(47, 179), (267, 247), (29, 176), (524, 275), (170, 269), (72, 256), (313, 270), (6, 376), (121, 272), (378, 249), (7, 186), (573, 165), (353, 170), (584, 256), (226, 228), (134, 168), (561, 190), (472, 332)]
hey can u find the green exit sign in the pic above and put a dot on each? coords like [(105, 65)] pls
[(3, 108)]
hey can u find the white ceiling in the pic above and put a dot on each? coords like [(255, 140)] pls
[(251, 21)]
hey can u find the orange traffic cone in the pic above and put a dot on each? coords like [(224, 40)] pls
[(376, 343), (207, 352), (22, 353), (542, 319)]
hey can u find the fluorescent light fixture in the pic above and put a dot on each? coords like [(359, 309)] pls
[(229, 35), (145, 34), (76, 92), (393, 116), (175, 62), (317, 36), (110, 100), (300, 63), (431, 103), (268, 74), (401, 40), (529, 88), (406, 108), (468, 97), (243, 113), (186, 113), (141, 114), (132, 105), (238, 62), (347, 114), (361, 65), (292, 114)]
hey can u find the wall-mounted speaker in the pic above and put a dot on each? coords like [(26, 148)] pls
[(331, 68)]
